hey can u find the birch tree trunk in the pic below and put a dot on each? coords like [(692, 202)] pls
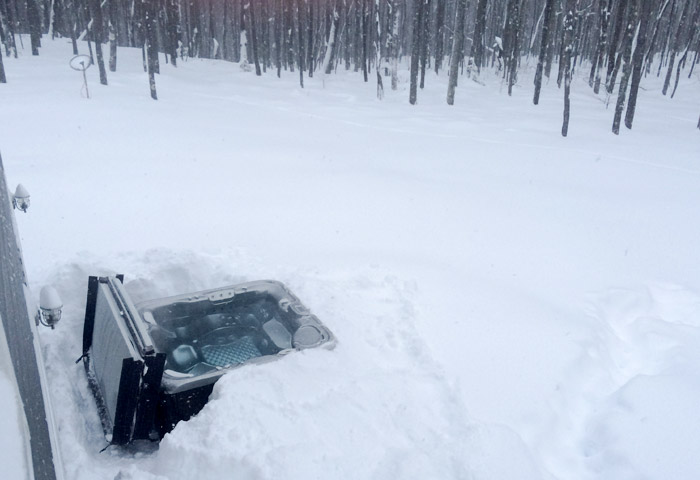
[(150, 45), (378, 51), (112, 36), (568, 48), (330, 54), (393, 40)]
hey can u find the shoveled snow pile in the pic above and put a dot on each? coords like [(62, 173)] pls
[(508, 303)]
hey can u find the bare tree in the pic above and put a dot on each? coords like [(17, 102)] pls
[(415, 50), (678, 40), (603, 19), (112, 36), (440, 34), (656, 29), (695, 27), (35, 27), (569, 20), (254, 37), (150, 44), (627, 68), (477, 50), (393, 40), (613, 60), (548, 12), (300, 43), (96, 12), (301, 35), (511, 44), (638, 62), (457, 49), (378, 51), (425, 29), (329, 57)]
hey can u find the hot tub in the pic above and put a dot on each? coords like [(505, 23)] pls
[(153, 364)]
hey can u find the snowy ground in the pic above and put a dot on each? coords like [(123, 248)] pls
[(508, 303)]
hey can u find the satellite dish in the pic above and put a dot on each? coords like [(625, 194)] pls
[(80, 63)]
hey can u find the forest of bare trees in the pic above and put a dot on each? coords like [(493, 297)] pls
[(614, 43)]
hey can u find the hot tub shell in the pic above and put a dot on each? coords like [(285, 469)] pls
[(153, 364)]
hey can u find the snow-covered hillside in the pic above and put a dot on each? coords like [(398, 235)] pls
[(508, 303)]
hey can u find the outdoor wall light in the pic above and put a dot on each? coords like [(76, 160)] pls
[(50, 306), (20, 200)]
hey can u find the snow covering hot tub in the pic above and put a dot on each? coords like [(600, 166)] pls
[(153, 364)]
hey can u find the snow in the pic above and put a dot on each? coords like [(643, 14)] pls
[(49, 298), (507, 303)]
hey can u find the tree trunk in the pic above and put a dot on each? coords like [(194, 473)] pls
[(553, 34), (365, 28), (568, 48), (477, 50), (173, 22), (10, 24), (457, 49), (4, 38), (150, 44), (73, 27), (112, 36), (330, 54), (612, 48), (677, 41), (511, 43), (34, 19), (393, 41), (279, 38), (548, 12), (254, 38), (243, 39), (378, 51), (300, 42), (440, 35), (627, 67), (425, 28), (96, 13), (655, 30), (415, 50), (638, 62), (604, 13), (695, 28), (310, 63)]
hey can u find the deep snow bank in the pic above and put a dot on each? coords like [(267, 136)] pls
[(508, 303)]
